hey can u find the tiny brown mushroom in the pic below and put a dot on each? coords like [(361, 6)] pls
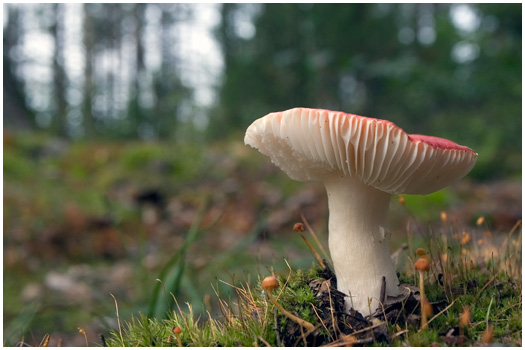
[(177, 331), (422, 265), (269, 284)]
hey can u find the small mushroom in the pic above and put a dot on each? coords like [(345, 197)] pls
[(177, 331), (269, 284), (423, 265), (362, 162)]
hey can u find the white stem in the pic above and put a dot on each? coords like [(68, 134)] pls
[(358, 242)]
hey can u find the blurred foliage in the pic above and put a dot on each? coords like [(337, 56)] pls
[(85, 219), (101, 217), (407, 63), (450, 70)]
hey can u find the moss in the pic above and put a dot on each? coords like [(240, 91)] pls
[(488, 292)]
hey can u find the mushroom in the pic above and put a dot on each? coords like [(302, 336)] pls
[(177, 331), (422, 265), (269, 284), (361, 162)]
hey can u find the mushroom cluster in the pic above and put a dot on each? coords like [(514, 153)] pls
[(361, 161)]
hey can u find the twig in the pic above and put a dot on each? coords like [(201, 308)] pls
[(439, 313), (400, 333), (264, 342), (343, 342), (334, 323), (287, 279), (368, 328), (165, 292), (327, 256), (310, 327), (118, 321), (320, 319), (276, 328), (303, 337), (313, 251), (510, 307), (382, 294), (483, 288), (45, 341)]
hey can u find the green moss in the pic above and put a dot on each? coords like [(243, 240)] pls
[(254, 325)]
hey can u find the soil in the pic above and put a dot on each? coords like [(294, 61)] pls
[(340, 328)]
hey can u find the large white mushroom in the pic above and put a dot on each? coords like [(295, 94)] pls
[(362, 162)]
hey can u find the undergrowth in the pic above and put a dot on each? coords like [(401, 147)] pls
[(474, 290)]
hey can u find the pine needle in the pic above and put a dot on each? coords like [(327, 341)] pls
[(314, 236), (313, 251)]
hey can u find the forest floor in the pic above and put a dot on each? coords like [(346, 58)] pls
[(88, 224)]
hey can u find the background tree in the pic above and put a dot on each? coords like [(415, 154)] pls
[(452, 70), (17, 114), (59, 75), (413, 64), (88, 43)]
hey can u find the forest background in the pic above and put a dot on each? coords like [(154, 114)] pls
[(123, 127)]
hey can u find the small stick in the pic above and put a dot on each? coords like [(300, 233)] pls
[(310, 327), (313, 251), (45, 341), (118, 321), (276, 329), (315, 237), (439, 313), (322, 323), (382, 295), (264, 341), (270, 283)]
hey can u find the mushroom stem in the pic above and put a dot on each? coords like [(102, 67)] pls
[(423, 299), (358, 242), (310, 327)]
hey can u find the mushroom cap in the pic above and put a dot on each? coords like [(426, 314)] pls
[(313, 144), (270, 283), (299, 227), (422, 264), (421, 252)]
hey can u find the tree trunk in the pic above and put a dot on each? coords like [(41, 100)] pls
[(59, 74), (87, 39)]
